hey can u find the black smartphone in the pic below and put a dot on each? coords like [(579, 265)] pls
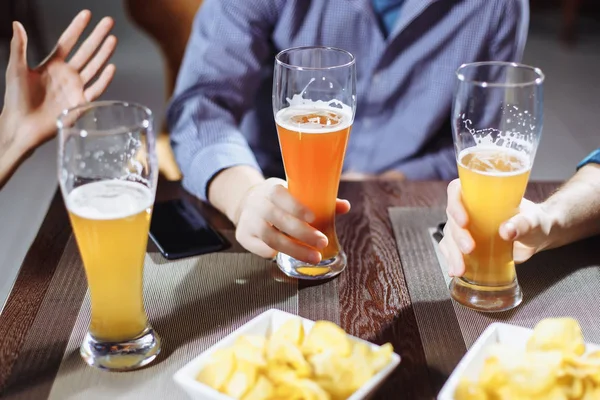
[(179, 230)]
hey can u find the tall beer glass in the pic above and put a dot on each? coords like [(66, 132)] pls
[(314, 101), (107, 171), (497, 125)]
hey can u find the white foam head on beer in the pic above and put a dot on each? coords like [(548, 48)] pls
[(111, 199), (300, 106), (522, 164)]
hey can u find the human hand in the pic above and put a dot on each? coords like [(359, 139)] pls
[(269, 220), (529, 229), (35, 97)]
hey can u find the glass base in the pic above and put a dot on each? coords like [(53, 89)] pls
[(486, 298), (121, 356), (324, 270)]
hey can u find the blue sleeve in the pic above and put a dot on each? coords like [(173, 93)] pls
[(505, 35), (215, 87), (436, 165), (593, 158)]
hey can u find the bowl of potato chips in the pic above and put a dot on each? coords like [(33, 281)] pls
[(550, 362), (279, 355)]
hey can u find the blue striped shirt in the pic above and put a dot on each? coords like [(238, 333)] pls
[(221, 113)]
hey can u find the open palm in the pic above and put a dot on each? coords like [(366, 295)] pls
[(35, 97)]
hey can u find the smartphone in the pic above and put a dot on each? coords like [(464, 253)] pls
[(179, 230)]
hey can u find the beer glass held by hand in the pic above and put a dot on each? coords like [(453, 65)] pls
[(497, 124), (314, 101), (107, 171)]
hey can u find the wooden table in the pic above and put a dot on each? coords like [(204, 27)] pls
[(374, 302)]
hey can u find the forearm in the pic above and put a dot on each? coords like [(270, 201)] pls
[(229, 187), (11, 152), (574, 210)]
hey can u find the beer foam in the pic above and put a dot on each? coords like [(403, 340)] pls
[(522, 165), (106, 200), (299, 106)]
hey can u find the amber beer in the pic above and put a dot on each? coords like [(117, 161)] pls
[(110, 220), (493, 181), (313, 143)]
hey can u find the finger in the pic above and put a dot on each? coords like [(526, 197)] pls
[(291, 225), (454, 258), (446, 255), (280, 197), (281, 243), (455, 206), (92, 68), (71, 35), (98, 87), (18, 48), (91, 44), (461, 237), (516, 227), (257, 246), (522, 253), (342, 206)]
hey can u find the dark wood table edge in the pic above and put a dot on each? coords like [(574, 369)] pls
[(32, 282)]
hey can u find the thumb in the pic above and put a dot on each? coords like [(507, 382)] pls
[(515, 228), (18, 47)]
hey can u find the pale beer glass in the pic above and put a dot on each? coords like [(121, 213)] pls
[(314, 101), (107, 171), (497, 125)]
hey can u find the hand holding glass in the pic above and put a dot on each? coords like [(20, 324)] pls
[(497, 124), (314, 101)]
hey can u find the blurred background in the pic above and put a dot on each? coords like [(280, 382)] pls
[(564, 41)]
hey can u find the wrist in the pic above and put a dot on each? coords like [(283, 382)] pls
[(556, 224), (230, 188), (13, 136)]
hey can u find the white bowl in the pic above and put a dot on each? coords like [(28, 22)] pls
[(472, 363), (263, 325)]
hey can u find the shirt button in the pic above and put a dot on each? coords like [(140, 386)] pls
[(376, 78), (367, 122)]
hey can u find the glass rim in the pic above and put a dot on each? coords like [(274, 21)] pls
[(330, 48), (144, 122), (537, 81)]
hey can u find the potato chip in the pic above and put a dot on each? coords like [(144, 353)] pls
[(326, 335), (250, 349), (563, 334), (381, 357), (551, 368), (218, 370), (284, 353), (292, 331), (262, 390), (242, 380), (291, 365)]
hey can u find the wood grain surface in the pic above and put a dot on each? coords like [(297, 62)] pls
[(30, 287), (372, 298)]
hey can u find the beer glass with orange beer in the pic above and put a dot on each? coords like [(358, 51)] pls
[(107, 171), (314, 101), (497, 125)]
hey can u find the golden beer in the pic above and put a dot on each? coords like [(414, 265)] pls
[(493, 181), (111, 220)]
